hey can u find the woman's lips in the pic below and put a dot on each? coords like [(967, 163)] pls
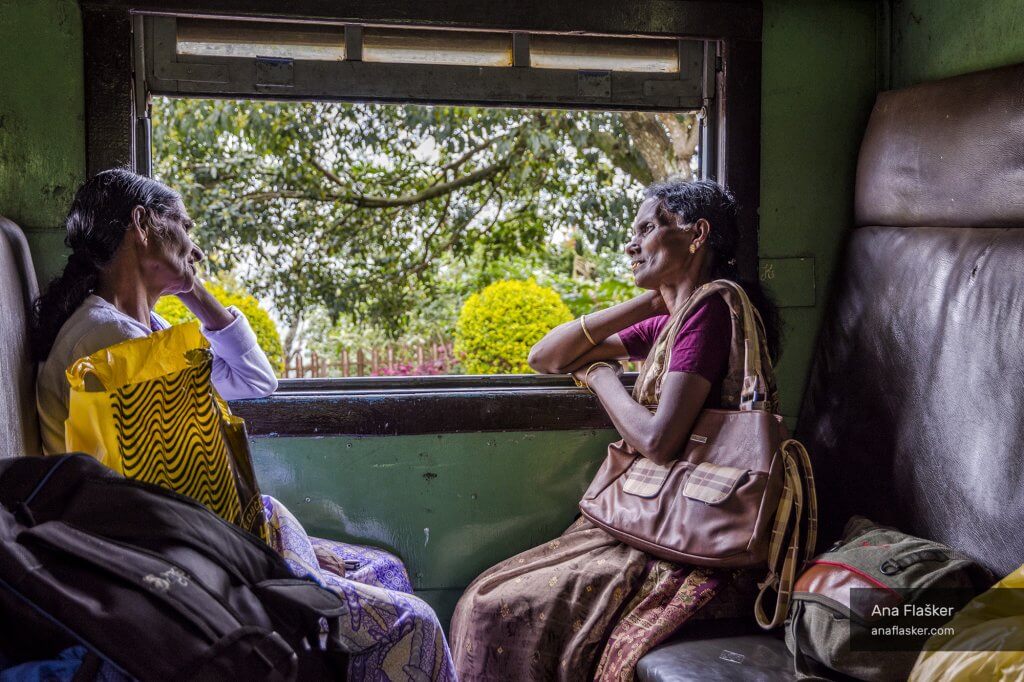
[(635, 265)]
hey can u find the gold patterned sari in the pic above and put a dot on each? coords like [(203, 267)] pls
[(585, 605)]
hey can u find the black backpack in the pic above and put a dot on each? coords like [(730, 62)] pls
[(151, 582)]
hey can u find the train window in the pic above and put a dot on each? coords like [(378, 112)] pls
[(460, 48), (250, 39), (610, 54), (280, 60), (367, 184)]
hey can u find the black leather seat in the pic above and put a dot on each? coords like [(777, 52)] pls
[(737, 658), (912, 414), (19, 425)]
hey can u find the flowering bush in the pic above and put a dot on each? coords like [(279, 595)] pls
[(498, 326)]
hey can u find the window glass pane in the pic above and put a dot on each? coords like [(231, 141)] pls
[(373, 239), (248, 39), (413, 46), (604, 54)]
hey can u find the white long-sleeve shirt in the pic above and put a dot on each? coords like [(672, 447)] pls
[(240, 367)]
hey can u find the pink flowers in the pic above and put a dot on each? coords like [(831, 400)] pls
[(401, 369)]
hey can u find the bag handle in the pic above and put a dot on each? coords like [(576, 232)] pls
[(753, 381), (80, 371), (797, 514)]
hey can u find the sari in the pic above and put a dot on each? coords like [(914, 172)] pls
[(585, 605), (582, 606), (389, 633)]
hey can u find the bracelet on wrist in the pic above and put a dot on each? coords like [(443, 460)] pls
[(586, 332)]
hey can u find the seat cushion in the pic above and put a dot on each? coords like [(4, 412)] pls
[(19, 425), (758, 657), (912, 414)]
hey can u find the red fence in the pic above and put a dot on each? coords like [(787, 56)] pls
[(387, 361), (413, 360)]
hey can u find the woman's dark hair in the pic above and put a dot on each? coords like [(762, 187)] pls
[(692, 201), (96, 224)]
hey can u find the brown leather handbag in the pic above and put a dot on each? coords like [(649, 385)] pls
[(741, 493)]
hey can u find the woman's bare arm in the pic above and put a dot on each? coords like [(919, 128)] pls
[(660, 436), (208, 309), (566, 347)]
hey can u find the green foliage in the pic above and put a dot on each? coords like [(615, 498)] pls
[(498, 326), (174, 311), (367, 211)]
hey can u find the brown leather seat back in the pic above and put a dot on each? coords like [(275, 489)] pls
[(19, 424), (914, 413)]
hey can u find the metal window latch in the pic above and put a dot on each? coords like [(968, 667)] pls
[(594, 84), (275, 72)]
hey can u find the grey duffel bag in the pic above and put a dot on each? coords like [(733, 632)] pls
[(857, 607)]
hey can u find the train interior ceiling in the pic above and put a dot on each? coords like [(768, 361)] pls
[(454, 474)]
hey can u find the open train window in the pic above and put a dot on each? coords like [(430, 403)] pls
[(213, 82)]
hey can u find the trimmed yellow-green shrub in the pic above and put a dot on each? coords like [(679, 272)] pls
[(498, 326), (175, 312)]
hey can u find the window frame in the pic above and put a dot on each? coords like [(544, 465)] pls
[(117, 100)]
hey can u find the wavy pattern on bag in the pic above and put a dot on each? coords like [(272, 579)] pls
[(169, 433)]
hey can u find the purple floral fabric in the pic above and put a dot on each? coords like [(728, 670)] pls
[(391, 634), (365, 565)]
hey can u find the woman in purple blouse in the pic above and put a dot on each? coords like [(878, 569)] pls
[(586, 606)]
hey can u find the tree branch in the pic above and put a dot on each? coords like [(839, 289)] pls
[(363, 201), (684, 139), (652, 142), (622, 156), (453, 165)]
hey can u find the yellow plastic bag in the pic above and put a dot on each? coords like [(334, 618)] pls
[(987, 640), (147, 409)]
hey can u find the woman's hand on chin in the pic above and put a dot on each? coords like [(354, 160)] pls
[(203, 305), (190, 296)]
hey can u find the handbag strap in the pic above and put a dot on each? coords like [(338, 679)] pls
[(796, 517), (749, 385)]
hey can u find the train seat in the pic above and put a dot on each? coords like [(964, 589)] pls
[(19, 424), (912, 413)]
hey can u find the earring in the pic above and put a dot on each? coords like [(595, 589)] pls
[(693, 248)]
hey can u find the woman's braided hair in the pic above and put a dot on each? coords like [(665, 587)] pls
[(96, 224)]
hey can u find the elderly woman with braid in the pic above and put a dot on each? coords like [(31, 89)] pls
[(585, 605), (130, 245)]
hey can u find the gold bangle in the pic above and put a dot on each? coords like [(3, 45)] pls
[(583, 326), (586, 375)]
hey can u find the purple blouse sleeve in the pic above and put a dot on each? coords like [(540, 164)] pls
[(639, 338), (702, 345)]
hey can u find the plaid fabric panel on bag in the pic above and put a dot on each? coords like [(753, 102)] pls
[(645, 478), (712, 483)]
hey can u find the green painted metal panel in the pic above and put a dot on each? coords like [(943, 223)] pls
[(940, 38), (42, 128), (819, 78), (791, 280), (449, 505)]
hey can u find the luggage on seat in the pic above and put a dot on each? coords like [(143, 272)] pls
[(872, 580), (150, 581)]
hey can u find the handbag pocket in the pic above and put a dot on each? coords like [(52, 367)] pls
[(712, 483), (645, 478)]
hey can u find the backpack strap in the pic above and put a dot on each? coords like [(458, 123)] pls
[(797, 516), (803, 668)]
